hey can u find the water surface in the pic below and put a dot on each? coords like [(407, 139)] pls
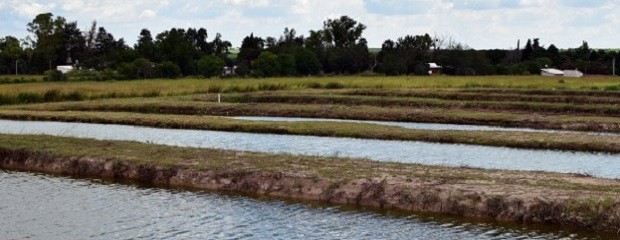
[(36, 206), (415, 125), (596, 164)]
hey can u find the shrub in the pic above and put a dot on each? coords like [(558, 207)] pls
[(169, 70), (52, 95), (29, 97), (54, 75), (210, 66), (334, 85)]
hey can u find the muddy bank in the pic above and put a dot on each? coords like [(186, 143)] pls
[(524, 204)]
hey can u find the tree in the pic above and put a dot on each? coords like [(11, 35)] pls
[(74, 43), (145, 47), (176, 47), (406, 54), (251, 48), (306, 62), (342, 32), (210, 66), (266, 65), (48, 47), (527, 51), (287, 65), (10, 51)]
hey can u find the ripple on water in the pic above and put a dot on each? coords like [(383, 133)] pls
[(43, 207)]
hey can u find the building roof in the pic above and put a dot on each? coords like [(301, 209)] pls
[(433, 65), (552, 71)]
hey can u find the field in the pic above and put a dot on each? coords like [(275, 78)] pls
[(583, 113)]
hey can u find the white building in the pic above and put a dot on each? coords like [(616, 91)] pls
[(551, 72), (573, 73), (64, 68)]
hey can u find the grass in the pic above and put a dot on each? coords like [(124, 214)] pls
[(204, 105), (166, 87), (297, 98), (578, 142)]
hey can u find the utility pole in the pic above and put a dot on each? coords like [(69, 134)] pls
[(16, 67), (613, 66)]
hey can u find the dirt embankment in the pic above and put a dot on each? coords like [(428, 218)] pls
[(525, 205)]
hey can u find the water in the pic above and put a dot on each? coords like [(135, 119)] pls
[(414, 125), (42, 207), (596, 164)]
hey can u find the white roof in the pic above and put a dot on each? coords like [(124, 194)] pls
[(552, 71), (433, 65)]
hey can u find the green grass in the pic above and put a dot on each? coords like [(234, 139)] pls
[(166, 87)]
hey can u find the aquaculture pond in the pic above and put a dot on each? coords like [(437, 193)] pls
[(423, 126), (38, 206), (596, 164)]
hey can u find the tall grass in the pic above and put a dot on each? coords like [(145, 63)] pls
[(165, 87)]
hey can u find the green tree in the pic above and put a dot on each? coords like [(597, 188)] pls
[(49, 48), (306, 62), (287, 65), (10, 51), (251, 48), (169, 69), (210, 66), (266, 65), (145, 47), (342, 32)]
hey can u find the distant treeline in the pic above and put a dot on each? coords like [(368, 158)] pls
[(337, 48)]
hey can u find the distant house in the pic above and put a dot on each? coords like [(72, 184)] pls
[(551, 72), (64, 68), (573, 73), (433, 68)]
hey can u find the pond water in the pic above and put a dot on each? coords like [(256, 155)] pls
[(35, 206), (596, 164), (415, 125)]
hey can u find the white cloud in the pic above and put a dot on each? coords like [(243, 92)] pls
[(148, 13), (31, 8)]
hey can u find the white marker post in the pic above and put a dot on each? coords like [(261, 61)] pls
[(218, 98)]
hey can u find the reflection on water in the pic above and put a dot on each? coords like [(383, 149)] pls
[(596, 164), (43, 207)]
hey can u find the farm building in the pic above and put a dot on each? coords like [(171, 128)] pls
[(573, 73), (433, 68), (64, 68), (551, 72)]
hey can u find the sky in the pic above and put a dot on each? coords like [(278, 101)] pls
[(480, 24)]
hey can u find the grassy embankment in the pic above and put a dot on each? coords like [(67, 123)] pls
[(523, 197), (561, 141)]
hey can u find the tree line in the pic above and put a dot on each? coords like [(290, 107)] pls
[(338, 48)]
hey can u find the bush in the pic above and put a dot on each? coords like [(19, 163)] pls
[(169, 70), (28, 97), (334, 85), (52, 95), (54, 75), (210, 66)]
